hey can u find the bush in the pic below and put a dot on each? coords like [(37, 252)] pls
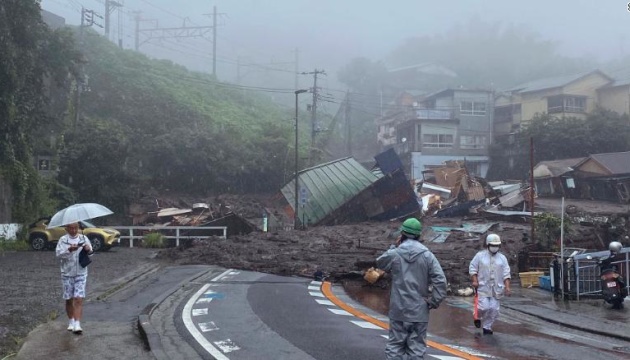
[(154, 240), (13, 245)]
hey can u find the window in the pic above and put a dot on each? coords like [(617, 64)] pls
[(472, 142), (562, 103), (437, 141), (472, 108)]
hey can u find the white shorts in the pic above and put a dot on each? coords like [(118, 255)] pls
[(73, 286)]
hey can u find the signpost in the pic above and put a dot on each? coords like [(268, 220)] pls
[(303, 201)]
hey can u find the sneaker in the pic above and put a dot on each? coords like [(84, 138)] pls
[(487, 332), (77, 329), (71, 325), (477, 323)]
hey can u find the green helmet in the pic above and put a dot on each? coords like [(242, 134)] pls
[(411, 226)]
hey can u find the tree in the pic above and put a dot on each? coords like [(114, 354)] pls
[(32, 60), (488, 55), (555, 138)]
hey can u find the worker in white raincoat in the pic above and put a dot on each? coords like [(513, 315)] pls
[(414, 269), (490, 273)]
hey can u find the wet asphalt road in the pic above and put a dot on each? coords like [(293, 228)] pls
[(262, 316)]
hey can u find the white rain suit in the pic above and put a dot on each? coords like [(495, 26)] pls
[(413, 269), (491, 270)]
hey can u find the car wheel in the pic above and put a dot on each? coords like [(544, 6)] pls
[(106, 248), (97, 242), (38, 242)]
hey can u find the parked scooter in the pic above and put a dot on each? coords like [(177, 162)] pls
[(613, 286)]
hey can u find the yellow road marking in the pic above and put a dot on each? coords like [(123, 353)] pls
[(327, 291)]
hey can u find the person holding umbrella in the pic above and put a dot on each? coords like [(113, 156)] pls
[(73, 274)]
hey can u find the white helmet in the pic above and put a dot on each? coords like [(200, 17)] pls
[(615, 246), (493, 239)]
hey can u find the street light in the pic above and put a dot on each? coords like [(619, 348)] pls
[(295, 213)]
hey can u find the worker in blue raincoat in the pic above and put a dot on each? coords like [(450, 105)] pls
[(418, 285)]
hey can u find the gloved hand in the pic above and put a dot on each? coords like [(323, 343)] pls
[(432, 304)]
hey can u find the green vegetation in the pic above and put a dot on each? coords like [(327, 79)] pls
[(143, 126), (13, 245), (33, 60), (154, 240), (559, 138), (548, 232)]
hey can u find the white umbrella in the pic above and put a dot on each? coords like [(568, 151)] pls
[(76, 213)]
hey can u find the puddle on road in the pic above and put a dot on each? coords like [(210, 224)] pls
[(453, 320)]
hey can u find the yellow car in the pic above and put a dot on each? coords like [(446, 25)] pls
[(40, 238)]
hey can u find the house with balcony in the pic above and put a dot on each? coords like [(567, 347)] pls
[(571, 95), (452, 124)]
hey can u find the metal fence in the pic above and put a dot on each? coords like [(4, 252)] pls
[(171, 232), (585, 278)]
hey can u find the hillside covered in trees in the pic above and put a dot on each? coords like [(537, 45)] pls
[(143, 125)]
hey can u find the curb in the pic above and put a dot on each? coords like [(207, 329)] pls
[(125, 281), (572, 325), (149, 335)]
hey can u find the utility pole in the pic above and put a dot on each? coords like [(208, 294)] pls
[(110, 5), (314, 127), (348, 125), (138, 18), (297, 68), (87, 20), (214, 42)]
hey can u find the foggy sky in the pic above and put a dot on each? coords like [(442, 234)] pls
[(329, 33)]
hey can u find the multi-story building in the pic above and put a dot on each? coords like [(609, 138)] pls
[(452, 124), (572, 95)]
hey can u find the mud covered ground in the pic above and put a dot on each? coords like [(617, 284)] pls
[(342, 251), (31, 289)]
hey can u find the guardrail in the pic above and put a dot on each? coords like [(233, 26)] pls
[(587, 271), (167, 232)]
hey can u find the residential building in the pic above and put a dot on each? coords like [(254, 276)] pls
[(452, 124), (599, 176), (616, 95), (570, 95)]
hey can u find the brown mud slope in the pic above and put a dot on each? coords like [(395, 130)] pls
[(339, 251)]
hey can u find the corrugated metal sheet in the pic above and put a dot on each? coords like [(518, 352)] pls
[(328, 186)]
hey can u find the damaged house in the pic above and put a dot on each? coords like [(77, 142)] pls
[(343, 191), (598, 177)]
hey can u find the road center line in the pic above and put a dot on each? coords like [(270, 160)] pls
[(327, 291)]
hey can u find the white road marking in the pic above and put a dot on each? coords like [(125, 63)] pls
[(340, 312), (192, 329), (385, 336), (226, 345), (318, 283), (314, 288), (197, 312), (324, 302), (208, 326), (366, 324), (234, 272), (203, 300), (316, 293), (444, 357)]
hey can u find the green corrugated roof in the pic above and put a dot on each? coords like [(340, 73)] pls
[(328, 186)]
